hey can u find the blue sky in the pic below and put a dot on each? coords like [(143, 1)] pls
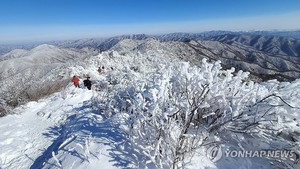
[(37, 20)]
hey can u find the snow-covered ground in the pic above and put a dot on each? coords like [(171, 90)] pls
[(40, 130), (140, 114)]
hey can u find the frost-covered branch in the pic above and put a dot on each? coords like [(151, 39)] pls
[(181, 108)]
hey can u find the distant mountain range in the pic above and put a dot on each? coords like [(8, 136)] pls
[(28, 72), (276, 56), (262, 65), (105, 44), (269, 44)]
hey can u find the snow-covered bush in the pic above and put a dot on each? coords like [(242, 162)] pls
[(171, 109), (180, 108)]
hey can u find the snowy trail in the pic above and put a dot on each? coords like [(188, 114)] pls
[(41, 129), (90, 142)]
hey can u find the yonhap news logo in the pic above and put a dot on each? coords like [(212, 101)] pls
[(215, 153)]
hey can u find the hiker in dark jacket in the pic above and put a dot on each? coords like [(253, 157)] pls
[(88, 83)]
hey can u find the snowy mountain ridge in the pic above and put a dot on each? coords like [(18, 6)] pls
[(270, 44), (262, 65), (32, 74), (16, 53)]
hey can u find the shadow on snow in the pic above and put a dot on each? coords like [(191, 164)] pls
[(86, 124)]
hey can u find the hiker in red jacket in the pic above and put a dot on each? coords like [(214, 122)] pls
[(75, 80)]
